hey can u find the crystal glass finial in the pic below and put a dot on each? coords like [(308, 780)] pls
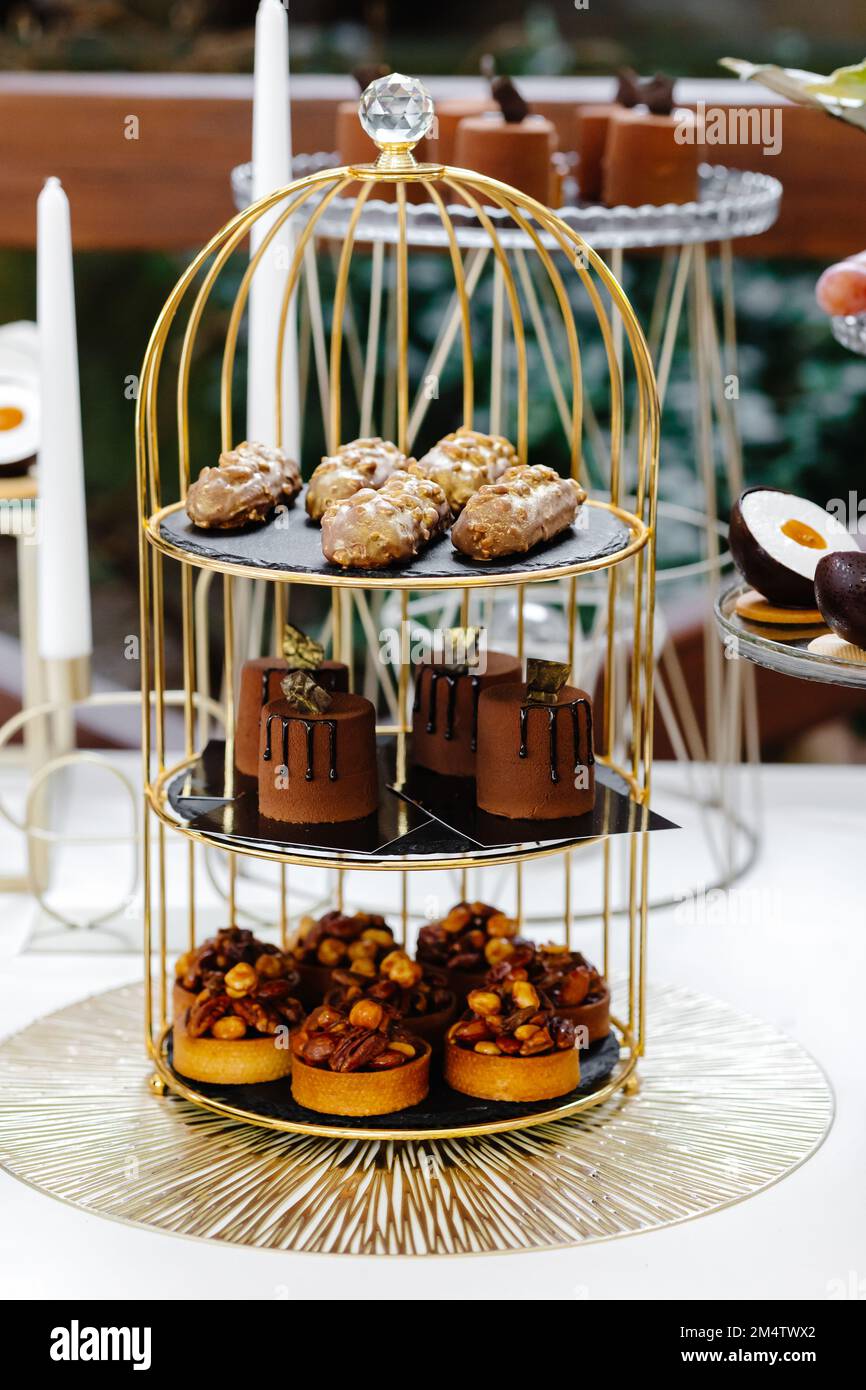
[(396, 110)]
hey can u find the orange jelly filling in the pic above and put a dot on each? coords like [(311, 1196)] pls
[(804, 535), (10, 417)]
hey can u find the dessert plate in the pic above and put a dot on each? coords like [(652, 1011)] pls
[(788, 655), (444, 1113), (291, 544), (428, 819)]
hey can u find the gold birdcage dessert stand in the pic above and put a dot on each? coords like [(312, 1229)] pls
[(195, 796)]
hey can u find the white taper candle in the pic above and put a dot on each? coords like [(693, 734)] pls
[(272, 161), (63, 574)]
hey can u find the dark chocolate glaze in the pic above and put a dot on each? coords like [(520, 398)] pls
[(552, 713), (452, 678), (309, 729)]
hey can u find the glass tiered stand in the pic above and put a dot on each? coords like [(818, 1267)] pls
[(416, 862)]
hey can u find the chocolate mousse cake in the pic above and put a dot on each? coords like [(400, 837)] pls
[(317, 755), (261, 683), (535, 755), (511, 145), (445, 710)]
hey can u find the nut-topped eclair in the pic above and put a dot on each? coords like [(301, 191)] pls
[(247, 485), (361, 463), (464, 461), (375, 529), (528, 504)]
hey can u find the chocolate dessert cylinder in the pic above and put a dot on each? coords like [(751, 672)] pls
[(318, 768), (260, 683), (515, 152), (535, 761), (449, 114), (591, 127), (445, 712), (644, 163)]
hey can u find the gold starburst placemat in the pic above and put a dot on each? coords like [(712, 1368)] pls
[(727, 1106)]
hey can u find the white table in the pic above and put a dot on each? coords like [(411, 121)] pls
[(792, 950)]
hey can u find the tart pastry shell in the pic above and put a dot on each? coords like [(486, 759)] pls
[(361, 1092), (594, 1017), (511, 1078), (229, 1063)]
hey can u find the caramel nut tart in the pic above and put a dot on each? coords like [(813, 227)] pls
[(574, 987), (206, 965), (418, 994), (511, 1046), (467, 943), (237, 1031), (357, 941), (358, 1061)]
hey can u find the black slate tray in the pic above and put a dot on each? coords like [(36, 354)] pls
[(291, 542), (427, 817), (444, 1110)]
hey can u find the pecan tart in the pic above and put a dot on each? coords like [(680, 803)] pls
[(467, 943), (419, 994), (574, 987), (510, 1045), (358, 1061), (197, 968), (340, 940), (237, 1030)]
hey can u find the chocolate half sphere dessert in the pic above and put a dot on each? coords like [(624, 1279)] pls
[(260, 684), (445, 710), (317, 755), (535, 752), (840, 589), (777, 540)]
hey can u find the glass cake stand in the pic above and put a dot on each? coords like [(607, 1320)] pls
[(791, 658), (730, 203)]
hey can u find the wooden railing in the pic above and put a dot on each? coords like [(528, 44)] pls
[(146, 159)]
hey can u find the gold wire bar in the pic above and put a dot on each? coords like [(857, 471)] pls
[(372, 354), (464, 608), (518, 889), (403, 690), (281, 613), (189, 337), (288, 290), (284, 908), (571, 599), (159, 658), (465, 312), (572, 339), (606, 909), (232, 889), (336, 626), (163, 935), (341, 899), (566, 861), (404, 907), (497, 352), (402, 322), (520, 620), (632, 933), (229, 681), (464, 885), (461, 185), (190, 916), (644, 902), (338, 314)]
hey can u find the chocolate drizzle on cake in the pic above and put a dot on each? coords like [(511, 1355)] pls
[(451, 677), (310, 730), (552, 712)]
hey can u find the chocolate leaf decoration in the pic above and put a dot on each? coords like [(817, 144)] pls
[(509, 100), (302, 691), (365, 73), (544, 679), (303, 652), (656, 93)]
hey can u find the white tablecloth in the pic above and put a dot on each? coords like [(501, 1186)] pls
[(792, 950)]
